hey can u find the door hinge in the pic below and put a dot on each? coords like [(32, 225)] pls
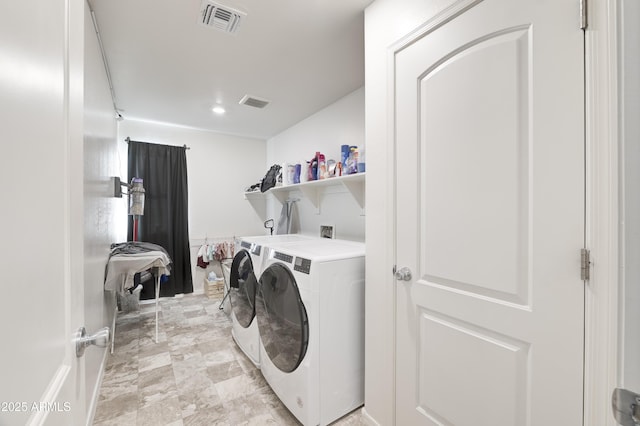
[(583, 15), (585, 264)]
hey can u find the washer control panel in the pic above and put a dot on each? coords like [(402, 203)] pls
[(302, 265)]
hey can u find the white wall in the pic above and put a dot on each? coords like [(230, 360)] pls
[(219, 169), (101, 209), (386, 22), (341, 123)]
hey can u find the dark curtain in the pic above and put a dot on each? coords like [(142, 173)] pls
[(165, 221)]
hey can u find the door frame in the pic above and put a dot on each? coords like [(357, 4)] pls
[(601, 357), (602, 209)]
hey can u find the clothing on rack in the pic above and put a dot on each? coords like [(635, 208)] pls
[(201, 256), (135, 247), (128, 259), (223, 251), (219, 251)]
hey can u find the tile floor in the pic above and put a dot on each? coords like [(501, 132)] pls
[(195, 375)]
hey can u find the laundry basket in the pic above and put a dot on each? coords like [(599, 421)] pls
[(214, 289), (129, 302)]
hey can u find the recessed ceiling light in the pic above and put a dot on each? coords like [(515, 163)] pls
[(218, 110)]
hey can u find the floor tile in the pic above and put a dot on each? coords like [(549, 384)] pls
[(196, 374)]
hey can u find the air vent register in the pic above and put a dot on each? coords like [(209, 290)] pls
[(220, 17), (253, 101)]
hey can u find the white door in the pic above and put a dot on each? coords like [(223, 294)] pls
[(490, 217), (41, 212)]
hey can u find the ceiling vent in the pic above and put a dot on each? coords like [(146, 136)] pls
[(252, 101), (220, 17)]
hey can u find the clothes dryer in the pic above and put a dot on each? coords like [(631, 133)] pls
[(310, 314), (243, 280)]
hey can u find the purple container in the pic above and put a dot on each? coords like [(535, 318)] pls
[(296, 174)]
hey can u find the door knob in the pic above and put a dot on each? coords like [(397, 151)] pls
[(403, 274), (100, 338)]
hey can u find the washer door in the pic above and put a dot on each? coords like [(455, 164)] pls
[(242, 288), (282, 318)]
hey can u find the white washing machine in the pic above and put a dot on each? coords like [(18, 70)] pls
[(245, 271), (310, 313)]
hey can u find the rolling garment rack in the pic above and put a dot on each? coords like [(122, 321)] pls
[(222, 261), (225, 263)]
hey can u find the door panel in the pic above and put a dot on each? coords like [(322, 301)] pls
[(490, 218), (481, 357), (477, 144)]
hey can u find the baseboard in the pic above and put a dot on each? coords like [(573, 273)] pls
[(50, 395), (91, 405), (367, 418)]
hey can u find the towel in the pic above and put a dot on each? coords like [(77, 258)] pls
[(289, 223)]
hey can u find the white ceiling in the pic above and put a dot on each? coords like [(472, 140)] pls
[(301, 55)]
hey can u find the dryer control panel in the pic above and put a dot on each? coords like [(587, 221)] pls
[(252, 247), (282, 256), (302, 265)]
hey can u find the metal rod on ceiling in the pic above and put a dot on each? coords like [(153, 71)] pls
[(104, 61), (128, 139)]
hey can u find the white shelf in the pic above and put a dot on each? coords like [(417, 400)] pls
[(354, 183)]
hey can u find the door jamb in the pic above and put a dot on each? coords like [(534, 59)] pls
[(602, 211)]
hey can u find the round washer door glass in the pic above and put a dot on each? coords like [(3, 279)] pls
[(282, 318), (242, 288)]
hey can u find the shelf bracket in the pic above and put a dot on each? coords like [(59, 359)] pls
[(259, 205), (356, 188), (281, 196), (312, 194)]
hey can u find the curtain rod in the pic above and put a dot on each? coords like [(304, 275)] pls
[(128, 139)]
